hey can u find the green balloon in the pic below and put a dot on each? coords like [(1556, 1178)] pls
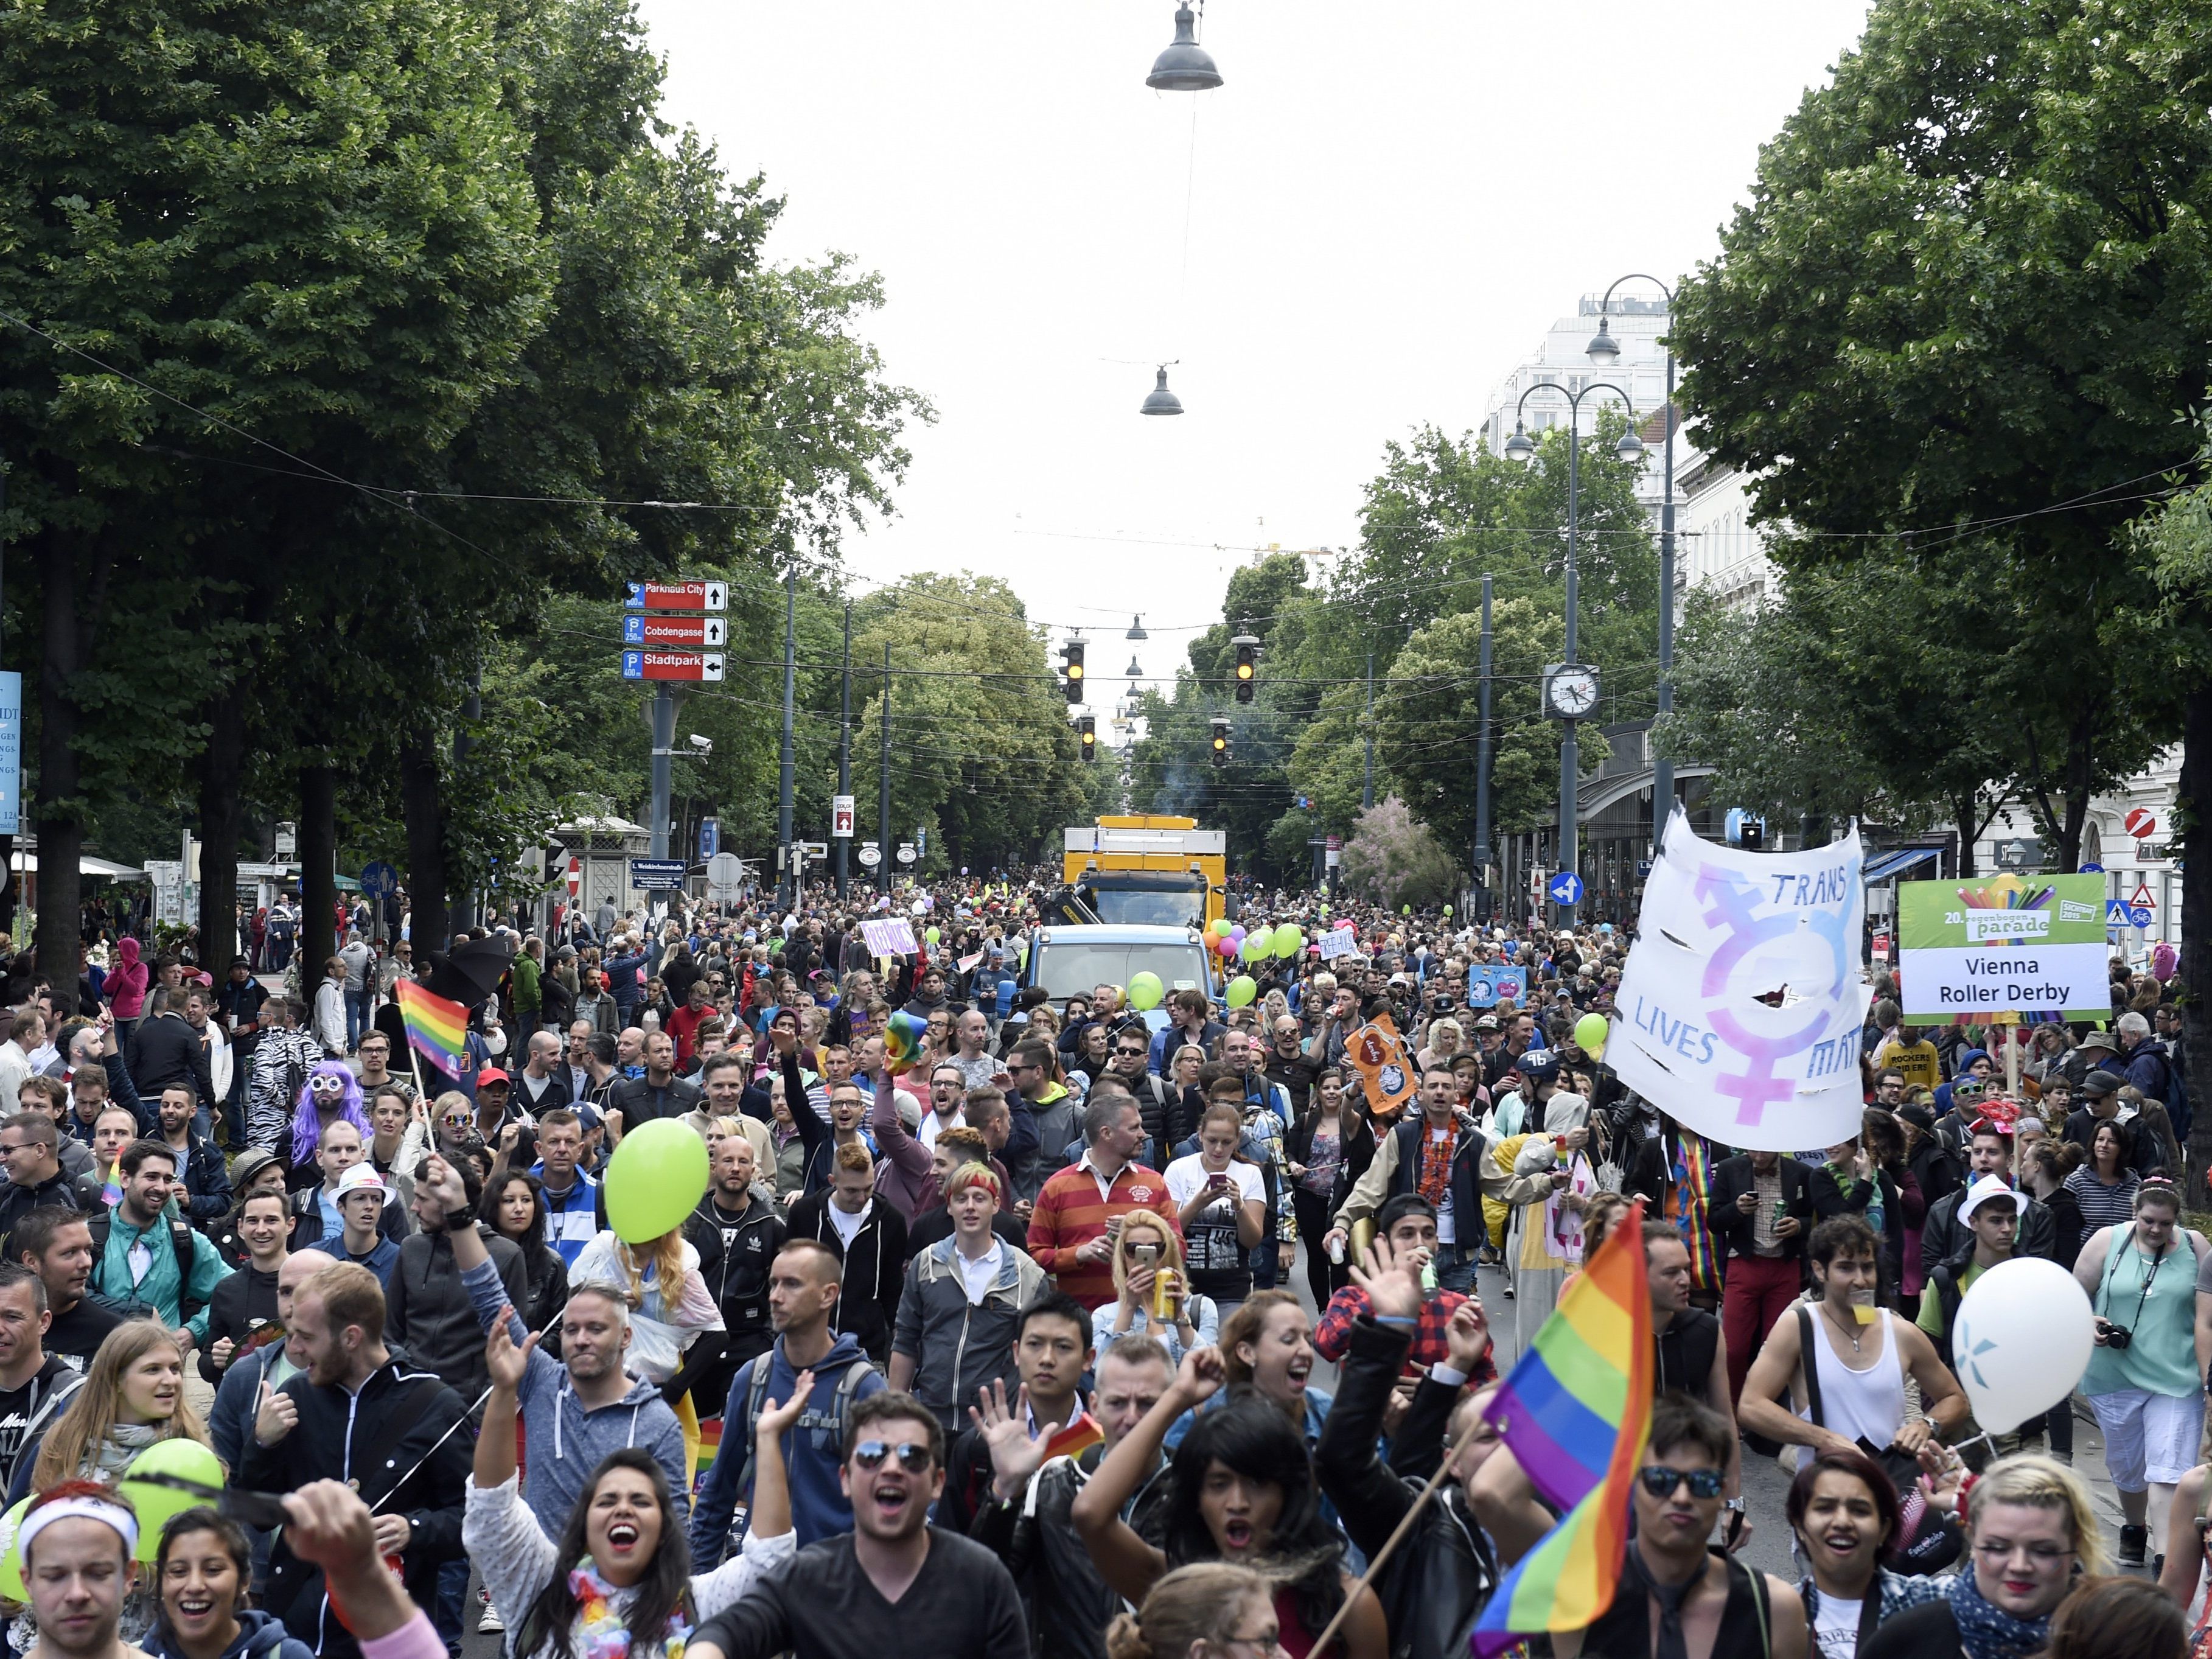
[(1448, 909), (655, 1179), (11, 1558), (1146, 991), (930, 935), (1288, 941), (1590, 1033), (181, 1456), (1241, 990), (1257, 946)]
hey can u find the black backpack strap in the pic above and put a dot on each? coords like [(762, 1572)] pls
[(1807, 1335)]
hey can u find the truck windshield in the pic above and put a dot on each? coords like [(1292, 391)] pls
[(1067, 969), (1126, 908)]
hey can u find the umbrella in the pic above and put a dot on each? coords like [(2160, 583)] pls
[(471, 973)]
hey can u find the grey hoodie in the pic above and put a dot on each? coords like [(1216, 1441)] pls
[(567, 1440)]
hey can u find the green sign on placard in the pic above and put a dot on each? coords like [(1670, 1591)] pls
[(2009, 944)]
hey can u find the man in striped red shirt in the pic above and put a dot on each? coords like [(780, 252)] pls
[(1072, 1228)]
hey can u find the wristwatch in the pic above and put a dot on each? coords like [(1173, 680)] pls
[(1733, 1506)]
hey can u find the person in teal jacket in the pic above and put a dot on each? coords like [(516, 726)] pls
[(141, 1249)]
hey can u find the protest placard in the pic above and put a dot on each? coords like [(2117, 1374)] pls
[(892, 937), (1741, 1003), (2011, 945)]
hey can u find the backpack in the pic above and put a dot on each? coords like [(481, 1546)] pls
[(180, 1239), (856, 1373)]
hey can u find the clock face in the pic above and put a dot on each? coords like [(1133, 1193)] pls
[(1574, 691)]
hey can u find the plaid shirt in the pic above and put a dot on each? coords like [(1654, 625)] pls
[(1334, 1334)]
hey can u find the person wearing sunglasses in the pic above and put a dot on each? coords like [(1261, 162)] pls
[(894, 1584), (1701, 1603)]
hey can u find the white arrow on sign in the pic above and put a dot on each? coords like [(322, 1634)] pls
[(710, 665)]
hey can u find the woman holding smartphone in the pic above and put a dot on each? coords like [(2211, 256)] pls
[(1221, 1201), (1151, 1293)]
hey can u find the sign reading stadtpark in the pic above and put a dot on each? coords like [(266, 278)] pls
[(1742, 1002), (2010, 945)]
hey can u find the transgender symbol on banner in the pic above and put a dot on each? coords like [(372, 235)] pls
[(1741, 1003)]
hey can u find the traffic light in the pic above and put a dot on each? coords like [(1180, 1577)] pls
[(1072, 651), (1087, 732), (1220, 742), (1248, 666)]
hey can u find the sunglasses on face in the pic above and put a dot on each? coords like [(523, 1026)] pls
[(915, 1459), (1660, 1481)]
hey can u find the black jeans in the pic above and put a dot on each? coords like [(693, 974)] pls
[(1327, 1278)]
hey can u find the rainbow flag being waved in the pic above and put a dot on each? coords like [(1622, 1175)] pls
[(1073, 1438), (1576, 1413), (436, 1029)]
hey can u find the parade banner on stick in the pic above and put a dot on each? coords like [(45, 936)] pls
[(1742, 1002), (2029, 945)]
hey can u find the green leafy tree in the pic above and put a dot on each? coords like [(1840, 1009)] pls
[(1966, 298)]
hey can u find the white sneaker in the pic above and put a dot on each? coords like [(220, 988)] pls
[(491, 1621)]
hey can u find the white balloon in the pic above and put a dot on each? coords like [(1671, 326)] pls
[(2023, 1338)]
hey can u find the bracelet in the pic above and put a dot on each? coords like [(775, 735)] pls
[(1409, 1321)]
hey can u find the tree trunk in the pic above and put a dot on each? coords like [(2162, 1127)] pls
[(222, 816), (1963, 809), (2193, 808), (319, 891), (60, 809), (426, 840)]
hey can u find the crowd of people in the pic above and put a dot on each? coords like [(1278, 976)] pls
[(988, 1333)]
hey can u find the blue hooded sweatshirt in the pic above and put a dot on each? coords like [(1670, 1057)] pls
[(567, 1438), (813, 1452)]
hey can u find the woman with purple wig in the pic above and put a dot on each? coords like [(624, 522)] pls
[(330, 1093)]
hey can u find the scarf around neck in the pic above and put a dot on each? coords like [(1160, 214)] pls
[(1988, 1632), (602, 1631)]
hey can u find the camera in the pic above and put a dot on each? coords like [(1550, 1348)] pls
[(2116, 1336)]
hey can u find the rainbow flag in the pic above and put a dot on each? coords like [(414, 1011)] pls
[(1076, 1436), (903, 1039), (1576, 1413), (436, 1029)]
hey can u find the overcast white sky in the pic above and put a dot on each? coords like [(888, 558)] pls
[(1386, 205)]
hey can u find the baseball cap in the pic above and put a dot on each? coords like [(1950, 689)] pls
[(360, 1178), (492, 1074), (2099, 1083), (1538, 1066), (1487, 1023)]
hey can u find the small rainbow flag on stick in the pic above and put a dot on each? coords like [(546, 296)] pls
[(436, 1029), (1073, 1438), (1576, 1413)]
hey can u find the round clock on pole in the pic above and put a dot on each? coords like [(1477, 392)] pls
[(1570, 691)]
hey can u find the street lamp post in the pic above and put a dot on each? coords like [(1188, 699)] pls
[(1521, 447), (1604, 351)]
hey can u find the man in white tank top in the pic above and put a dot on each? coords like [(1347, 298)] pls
[(1859, 1364)]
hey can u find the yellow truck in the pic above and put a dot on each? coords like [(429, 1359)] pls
[(1148, 870)]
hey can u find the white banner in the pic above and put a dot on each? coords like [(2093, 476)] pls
[(1742, 1002), (1338, 942), (894, 938)]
